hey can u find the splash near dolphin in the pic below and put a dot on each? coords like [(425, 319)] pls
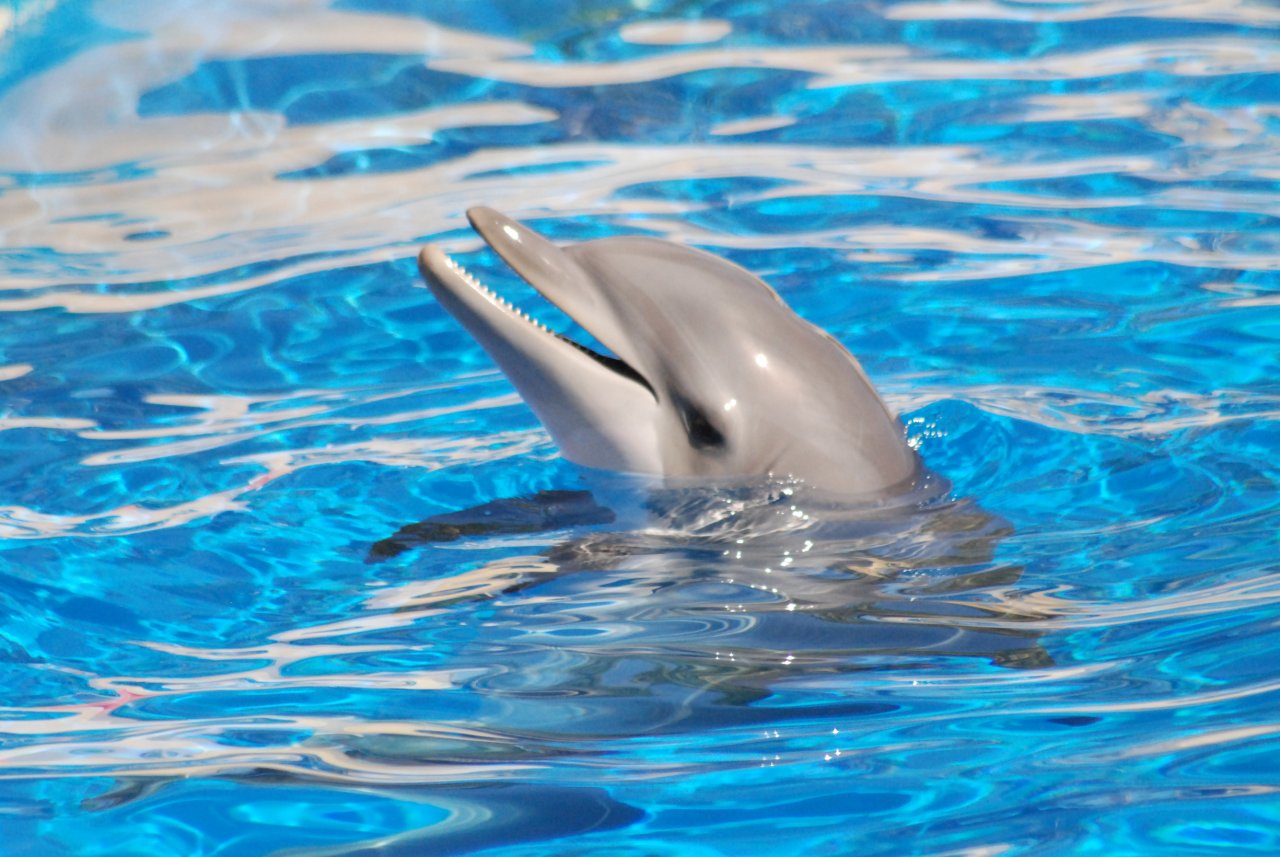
[(711, 375)]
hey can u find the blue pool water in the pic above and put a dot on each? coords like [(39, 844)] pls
[(1050, 231)]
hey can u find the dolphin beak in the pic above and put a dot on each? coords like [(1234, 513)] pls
[(569, 386), (560, 278)]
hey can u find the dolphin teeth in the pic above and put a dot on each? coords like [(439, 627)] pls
[(608, 361), (493, 296), (471, 280)]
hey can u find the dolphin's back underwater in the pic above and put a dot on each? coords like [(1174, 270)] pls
[(714, 376)]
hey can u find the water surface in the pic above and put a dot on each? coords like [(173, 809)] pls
[(1050, 232)]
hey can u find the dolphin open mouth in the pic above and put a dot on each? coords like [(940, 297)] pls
[(499, 325), (608, 361)]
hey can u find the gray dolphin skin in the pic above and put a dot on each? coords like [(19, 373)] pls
[(711, 376)]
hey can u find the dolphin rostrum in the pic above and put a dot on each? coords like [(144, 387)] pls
[(711, 376)]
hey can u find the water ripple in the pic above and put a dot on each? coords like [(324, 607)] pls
[(1048, 230)]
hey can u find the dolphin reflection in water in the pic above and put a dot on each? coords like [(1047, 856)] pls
[(756, 435)]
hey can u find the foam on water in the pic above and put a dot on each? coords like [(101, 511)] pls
[(1049, 231)]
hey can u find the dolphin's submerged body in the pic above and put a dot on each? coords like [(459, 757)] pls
[(711, 376)]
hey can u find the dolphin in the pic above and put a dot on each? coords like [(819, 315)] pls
[(711, 375)]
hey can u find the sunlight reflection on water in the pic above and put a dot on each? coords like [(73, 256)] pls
[(1048, 230)]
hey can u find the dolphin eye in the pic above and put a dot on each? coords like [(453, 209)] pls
[(702, 434)]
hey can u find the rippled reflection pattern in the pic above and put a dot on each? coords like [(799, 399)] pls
[(1050, 232)]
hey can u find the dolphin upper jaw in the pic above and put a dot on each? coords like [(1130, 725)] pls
[(576, 393), (562, 280)]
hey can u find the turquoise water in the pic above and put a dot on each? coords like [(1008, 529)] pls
[(1050, 232)]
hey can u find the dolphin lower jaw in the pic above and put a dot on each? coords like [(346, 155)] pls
[(597, 408)]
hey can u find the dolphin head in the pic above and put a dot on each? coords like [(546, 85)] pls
[(711, 375)]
